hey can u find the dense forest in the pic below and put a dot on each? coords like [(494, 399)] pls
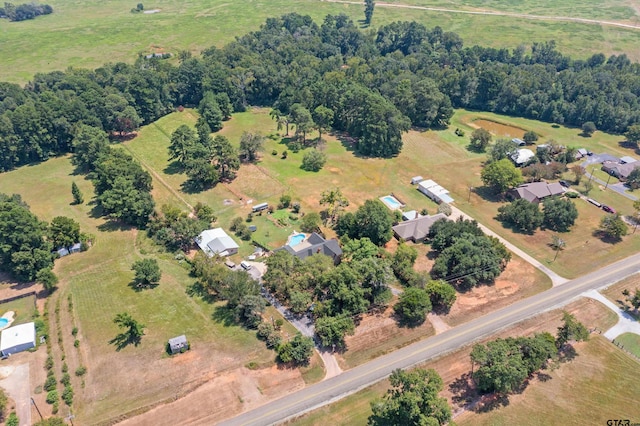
[(376, 84)]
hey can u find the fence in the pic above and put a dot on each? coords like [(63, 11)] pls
[(20, 296)]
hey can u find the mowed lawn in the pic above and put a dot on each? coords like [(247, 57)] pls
[(98, 282), (87, 34)]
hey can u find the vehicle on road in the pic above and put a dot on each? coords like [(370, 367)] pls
[(608, 209), (564, 183), (245, 266)]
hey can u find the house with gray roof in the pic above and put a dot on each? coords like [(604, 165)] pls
[(620, 170), (416, 229), (535, 192), (315, 244), (216, 241)]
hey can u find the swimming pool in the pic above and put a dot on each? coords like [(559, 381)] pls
[(296, 239), (391, 202), (3, 322)]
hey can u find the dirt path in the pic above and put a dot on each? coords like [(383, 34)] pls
[(16, 382), (496, 13)]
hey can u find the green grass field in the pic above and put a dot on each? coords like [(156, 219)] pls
[(86, 34), (23, 308), (98, 281), (631, 343)]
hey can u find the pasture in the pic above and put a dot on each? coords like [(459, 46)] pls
[(86, 34)]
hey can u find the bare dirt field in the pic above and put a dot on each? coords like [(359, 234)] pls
[(223, 396)]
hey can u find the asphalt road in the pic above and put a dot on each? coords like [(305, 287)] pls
[(350, 381)]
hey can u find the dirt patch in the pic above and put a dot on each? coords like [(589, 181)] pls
[(377, 334), (519, 280), (498, 129), (224, 396)]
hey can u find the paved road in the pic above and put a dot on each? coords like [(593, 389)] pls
[(331, 390)]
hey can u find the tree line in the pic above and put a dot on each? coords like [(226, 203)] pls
[(374, 86), (25, 11)]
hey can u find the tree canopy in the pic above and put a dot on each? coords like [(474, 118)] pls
[(501, 175), (522, 215), (412, 400), (559, 213), (372, 220)]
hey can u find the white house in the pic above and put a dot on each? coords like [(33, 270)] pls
[(18, 338), (216, 241), (435, 192)]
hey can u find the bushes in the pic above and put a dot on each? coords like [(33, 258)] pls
[(269, 334), (81, 371), (67, 395), (52, 397), (50, 384)]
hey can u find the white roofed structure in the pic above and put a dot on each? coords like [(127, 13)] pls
[(216, 241), (435, 192), (18, 338)]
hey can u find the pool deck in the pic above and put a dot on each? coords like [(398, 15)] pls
[(389, 205), (9, 317)]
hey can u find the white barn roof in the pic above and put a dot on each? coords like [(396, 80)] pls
[(18, 338)]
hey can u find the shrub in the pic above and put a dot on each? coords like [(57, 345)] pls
[(74, 332), (50, 384), (445, 208), (52, 397), (67, 395), (313, 160), (12, 420), (237, 221), (48, 364), (285, 201), (76, 343), (66, 379), (284, 154), (274, 152), (65, 367), (55, 408), (81, 371), (245, 234), (295, 207)]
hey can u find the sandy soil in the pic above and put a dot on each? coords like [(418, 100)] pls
[(222, 397)]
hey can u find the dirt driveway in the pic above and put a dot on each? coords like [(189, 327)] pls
[(15, 380)]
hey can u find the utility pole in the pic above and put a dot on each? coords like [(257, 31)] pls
[(607, 184), (37, 409), (470, 189)]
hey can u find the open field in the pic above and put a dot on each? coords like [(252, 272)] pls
[(86, 34), (98, 283), (608, 375)]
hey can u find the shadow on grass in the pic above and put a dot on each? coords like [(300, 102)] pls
[(113, 226), (197, 289), (462, 390), (404, 323), (138, 287), (488, 194), (224, 315), (606, 238), (491, 402), (123, 340), (173, 168)]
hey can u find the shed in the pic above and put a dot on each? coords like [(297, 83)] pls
[(522, 156), (253, 228), (260, 207), (416, 179), (518, 141), (178, 344), (18, 338), (76, 248), (62, 252)]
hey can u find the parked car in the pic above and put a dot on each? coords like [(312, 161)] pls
[(608, 209), (245, 266), (594, 202), (564, 183)]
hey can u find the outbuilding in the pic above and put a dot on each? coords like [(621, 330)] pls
[(178, 344), (435, 192), (260, 207), (216, 241), (416, 180), (18, 338)]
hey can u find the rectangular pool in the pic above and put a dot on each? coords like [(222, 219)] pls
[(391, 202)]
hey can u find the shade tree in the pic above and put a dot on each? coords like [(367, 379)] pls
[(501, 175)]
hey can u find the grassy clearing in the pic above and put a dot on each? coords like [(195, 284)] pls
[(23, 308), (630, 342), (606, 372), (614, 293), (98, 281), (82, 33)]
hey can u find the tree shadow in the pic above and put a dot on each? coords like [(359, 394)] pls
[(224, 315), (488, 194), (191, 186), (513, 228), (174, 168), (463, 392), (606, 238), (139, 287), (123, 340), (408, 324), (543, 377), (567, 353), (114, 226), (491, 402), (197, 289)]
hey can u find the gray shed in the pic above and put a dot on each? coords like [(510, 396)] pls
[(178, 344)]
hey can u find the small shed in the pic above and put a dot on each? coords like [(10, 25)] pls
[(518, 141), (62, 252), (253, 228), (18, 338), (76, 248), (416, 180), (178, 344), (260, 207)]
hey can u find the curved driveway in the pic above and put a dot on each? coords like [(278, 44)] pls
[(333, 389)]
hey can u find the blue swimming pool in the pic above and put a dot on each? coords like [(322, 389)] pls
[(391, 202), (3, 322), (294, 240)]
